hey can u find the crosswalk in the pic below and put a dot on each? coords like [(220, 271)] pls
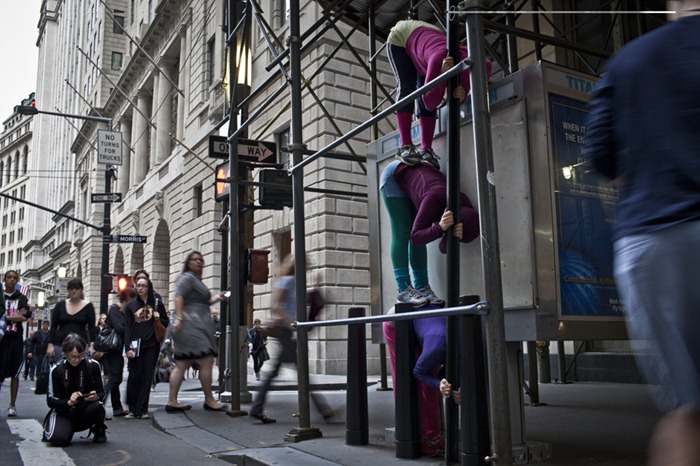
[(34, 452)]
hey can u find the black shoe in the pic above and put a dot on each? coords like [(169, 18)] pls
[(98, 431)]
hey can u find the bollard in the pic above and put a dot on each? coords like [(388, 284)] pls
[(474, 415), (356, 424), (545, 373), (407, 422)]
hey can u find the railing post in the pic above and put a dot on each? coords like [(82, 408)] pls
[(407, 421), (475, 439), (357, 425)]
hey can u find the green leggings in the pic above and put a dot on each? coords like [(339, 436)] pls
[(401, 214)]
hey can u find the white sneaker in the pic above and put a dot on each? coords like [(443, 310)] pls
[(432, 297), (11, 412), (410, 295)]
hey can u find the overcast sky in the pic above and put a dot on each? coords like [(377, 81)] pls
[(18, 53)]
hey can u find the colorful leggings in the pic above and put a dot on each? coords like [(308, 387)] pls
[(401, 215)]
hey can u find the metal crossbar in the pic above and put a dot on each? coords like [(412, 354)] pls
[(479, 309)]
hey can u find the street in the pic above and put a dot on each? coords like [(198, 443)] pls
[(133, 442)]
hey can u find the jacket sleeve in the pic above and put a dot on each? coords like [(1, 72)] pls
[(91, 323), (162, 313), (599, 150), (54, 323), (56, 397), (95, 375)]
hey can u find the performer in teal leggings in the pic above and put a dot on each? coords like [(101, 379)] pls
[(402, 213)]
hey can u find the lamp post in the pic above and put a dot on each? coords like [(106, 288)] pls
[(106, 224)]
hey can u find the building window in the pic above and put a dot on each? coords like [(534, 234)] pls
[(21, 215), (284, 12), (19, 255), (13, 217), (131, 11), (4, 240), (284, 139), (210, 62), (2, 260), (10, 257), (4, 221), (116, 60), (20, 235), (198, 200)]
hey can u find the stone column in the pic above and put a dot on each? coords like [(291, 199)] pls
[(140, 137), (164, 100), (124, 171)]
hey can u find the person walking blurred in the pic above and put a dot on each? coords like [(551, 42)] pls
[(141, 346), (28, 357), (284, 312), (193, 333), (642, 133)]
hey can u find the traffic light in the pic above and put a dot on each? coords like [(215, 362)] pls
[(221, 185), (120, 282), (28, 107)]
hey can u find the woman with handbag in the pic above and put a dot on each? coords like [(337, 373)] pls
[(115, 358), (141, 346), (193, 333), (72, 315), (258, 350)]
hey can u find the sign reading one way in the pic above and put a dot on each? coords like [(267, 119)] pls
[(109, 147)]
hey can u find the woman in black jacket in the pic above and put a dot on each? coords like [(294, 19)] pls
[(72, 315), (141, 346), (75, 391), (115, 359)]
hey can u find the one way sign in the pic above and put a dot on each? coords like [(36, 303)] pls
[(248, 149)]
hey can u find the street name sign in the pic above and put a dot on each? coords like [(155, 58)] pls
[(248, 149), (109, 147), (128, 239), (105, 197)]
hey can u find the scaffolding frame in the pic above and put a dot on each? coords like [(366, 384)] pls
[(490, 28)]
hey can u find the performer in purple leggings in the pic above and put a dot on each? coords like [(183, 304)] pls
[(418, 54)]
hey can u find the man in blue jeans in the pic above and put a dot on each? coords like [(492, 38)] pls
[(644, 133)]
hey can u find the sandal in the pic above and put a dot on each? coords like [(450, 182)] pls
[(264, 419)]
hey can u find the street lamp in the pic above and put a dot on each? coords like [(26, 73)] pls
[(62, 272), (41, 299)]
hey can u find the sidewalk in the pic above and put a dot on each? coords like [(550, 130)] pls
[(584, 423)]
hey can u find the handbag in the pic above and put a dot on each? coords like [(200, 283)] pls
[(164, 366), (265, 354), (42, 377), (158, 328), (108, 340)]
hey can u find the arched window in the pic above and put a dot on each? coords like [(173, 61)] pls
[(2, 173), (17, 165), (26, 159)]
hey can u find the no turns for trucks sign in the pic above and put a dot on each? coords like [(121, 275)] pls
[(109, 147)]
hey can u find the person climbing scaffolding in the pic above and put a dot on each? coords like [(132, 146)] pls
[(418, 54)]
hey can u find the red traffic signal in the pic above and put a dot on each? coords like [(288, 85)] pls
[(28, 107), (121, 282), (221, 184)]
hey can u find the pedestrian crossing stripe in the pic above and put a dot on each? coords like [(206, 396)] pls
[(34, 452)]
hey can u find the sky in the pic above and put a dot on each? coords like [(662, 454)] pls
[(18, 54)]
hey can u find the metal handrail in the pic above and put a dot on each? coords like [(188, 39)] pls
[(479, 309)]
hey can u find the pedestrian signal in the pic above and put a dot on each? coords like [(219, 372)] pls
[(121, 283), (221, 183)]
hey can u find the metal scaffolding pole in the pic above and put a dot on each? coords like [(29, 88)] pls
[(303, 431), (498, 376)]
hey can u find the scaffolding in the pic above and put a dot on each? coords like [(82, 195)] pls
[(580, 35)]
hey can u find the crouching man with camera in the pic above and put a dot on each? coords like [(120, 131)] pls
[(75, 391)]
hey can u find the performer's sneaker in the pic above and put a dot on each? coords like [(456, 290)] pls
[(431, 296), (11, 412), (428, 156), (412, 296), (408, 155)]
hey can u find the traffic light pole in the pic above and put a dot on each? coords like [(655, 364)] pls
[(106, 227)]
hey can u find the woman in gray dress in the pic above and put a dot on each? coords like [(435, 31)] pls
[(193, 335)]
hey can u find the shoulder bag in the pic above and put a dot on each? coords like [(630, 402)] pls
[(108, 340), (158, 327)]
